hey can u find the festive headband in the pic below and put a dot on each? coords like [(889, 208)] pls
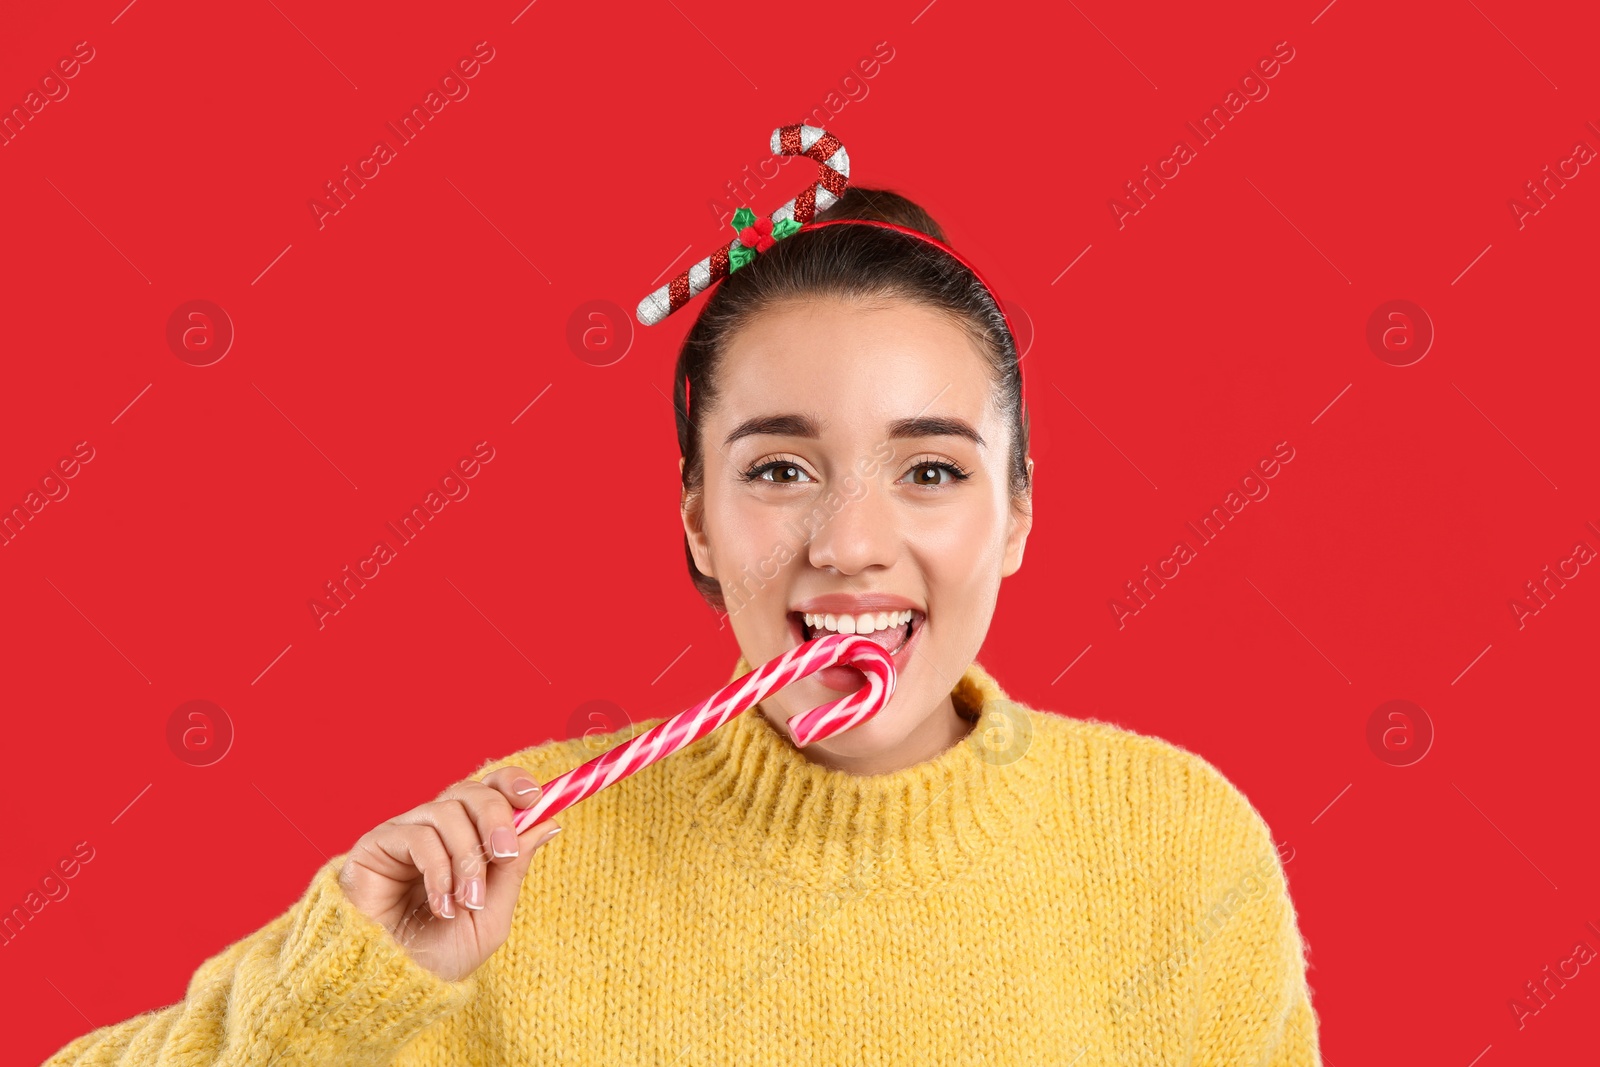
[(755, 236)]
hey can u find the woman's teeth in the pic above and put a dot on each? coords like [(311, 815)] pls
[(866, 623)]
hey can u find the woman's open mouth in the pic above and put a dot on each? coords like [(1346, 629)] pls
[(896, 632), (890, 630)]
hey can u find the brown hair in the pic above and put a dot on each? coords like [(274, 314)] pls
[(852, 262)]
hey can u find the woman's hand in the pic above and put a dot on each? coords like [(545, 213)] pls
[(443, 878)]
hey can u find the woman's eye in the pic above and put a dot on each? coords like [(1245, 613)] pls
[(934, 474), (779, 472)]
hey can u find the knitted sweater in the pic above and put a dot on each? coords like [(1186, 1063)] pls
[(1049, 890)]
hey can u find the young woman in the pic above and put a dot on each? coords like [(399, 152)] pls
[(960, 879)]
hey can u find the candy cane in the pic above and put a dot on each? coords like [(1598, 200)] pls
[(833, 174), (668, 737)]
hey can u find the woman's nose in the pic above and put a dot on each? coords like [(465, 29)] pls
[(858, 534)]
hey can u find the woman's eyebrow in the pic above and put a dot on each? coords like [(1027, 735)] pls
[(779, 425), (795, 425), (935, 426)]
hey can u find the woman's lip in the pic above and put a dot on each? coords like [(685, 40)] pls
[(854, 604)]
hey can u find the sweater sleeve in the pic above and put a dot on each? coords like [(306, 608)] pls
[(321, 983), (1254, 1004)]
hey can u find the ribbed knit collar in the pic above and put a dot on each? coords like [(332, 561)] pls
[(770, 809)]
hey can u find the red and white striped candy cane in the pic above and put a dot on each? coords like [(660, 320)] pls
[(742, 693), (833, 174)]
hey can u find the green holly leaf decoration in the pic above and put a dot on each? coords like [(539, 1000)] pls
[(783, 228), (738, 256), (742, 218)]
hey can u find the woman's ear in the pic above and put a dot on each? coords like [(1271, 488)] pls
[(1018, 528), (693, 514)]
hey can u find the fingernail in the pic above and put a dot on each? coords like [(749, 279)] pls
[(473, 898), (523, 786), (447, 909), (504, 842), (549, 835)]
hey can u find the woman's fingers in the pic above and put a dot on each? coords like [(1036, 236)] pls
[(492, 804), (520, 790), (468, 852), (516, 784), (464, 844), (473, 822), (420, 847), (463, 851), (505, 882)]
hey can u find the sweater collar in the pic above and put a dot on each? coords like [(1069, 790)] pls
[(771, 810)]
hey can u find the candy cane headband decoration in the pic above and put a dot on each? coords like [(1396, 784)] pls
[(757, 235)]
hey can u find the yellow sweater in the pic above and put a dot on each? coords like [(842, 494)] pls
[(1048, 891)]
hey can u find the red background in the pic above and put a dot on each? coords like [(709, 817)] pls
[(426, 315)]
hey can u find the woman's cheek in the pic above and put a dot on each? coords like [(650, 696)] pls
[(765, 536), (752, 541), (960, 561), (953, 540), (731, 522)]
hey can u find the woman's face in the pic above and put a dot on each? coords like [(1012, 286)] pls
[(855, 465)]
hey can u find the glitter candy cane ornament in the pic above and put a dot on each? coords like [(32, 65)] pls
[(757, 235), (742, 693)]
